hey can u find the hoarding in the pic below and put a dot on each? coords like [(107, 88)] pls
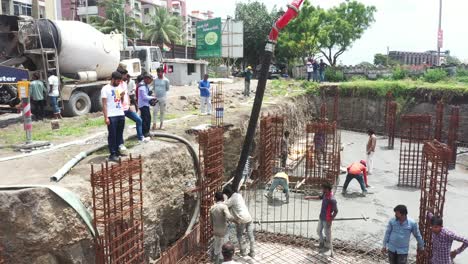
[(209, 38), (233, 39)]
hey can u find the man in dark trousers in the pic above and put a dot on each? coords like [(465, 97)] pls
[(144, 101), (37, 90), (114, 116), (328, 213), (322, 67), (248, 77), (358, 171), (219, 215)]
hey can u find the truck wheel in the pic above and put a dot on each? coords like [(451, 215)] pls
[(96, 102), (78, 104)]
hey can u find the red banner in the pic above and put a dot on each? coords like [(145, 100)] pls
[(440, 38)]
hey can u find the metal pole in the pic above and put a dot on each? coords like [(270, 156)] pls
[(438, 33), (124, 27), (87, 13)]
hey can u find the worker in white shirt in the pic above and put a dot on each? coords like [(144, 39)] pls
[(219, 215), (242, 218), (228, 253)]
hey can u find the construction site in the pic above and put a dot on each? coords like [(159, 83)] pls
[(67, 203)]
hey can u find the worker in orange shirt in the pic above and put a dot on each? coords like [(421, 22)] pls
[(358, 171)]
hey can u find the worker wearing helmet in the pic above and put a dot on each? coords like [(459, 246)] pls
[(248, 76), (356, 171)]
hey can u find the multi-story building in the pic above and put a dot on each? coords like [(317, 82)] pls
[(192, 20), (418, 58), (21, 7), (149, 8)]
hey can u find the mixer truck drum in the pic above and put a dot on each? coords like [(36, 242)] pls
[(49, 34)]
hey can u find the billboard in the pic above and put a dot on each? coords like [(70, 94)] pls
[(233, 39), (9, 75), (209, 38)]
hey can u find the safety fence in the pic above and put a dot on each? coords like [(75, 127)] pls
[(415, 130), (117, 195), (435, 164)]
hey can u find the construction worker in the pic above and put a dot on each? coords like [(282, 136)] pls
[(228, 253), (145, 100), (248, 76), (442, 240), (37, 90), (161, 86), (397, 236), (220, 216), (356, 171), (370, 150), (328, 213), (205, 95), (280, 179), (242, 218)]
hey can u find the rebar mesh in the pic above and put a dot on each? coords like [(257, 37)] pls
[(391, 124), (439, 118), (217, 119), (453, 135), (271, 134)]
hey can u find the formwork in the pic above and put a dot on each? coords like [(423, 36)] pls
[(453, 135), (439, 118), (271, 134), (415, 131), (118, 211), (391, 124), (435, 161), (217, 98)]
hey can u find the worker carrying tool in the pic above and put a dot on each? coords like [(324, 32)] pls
[(356, 171)]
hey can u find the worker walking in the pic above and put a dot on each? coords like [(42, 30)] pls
[(205, 95), (144, 101), (370, 150), (248, 76), (161, 86), (280, 179), (242, 218), (397, 236), (328, 212), (442, 240), (356, 171), (114, 116), (220, 216), (37, 91)]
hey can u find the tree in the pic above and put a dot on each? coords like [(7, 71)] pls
[(340, 26), (257, 24), (366, 64), (380, 59), (452, 60), (114, 20), (164, 28)]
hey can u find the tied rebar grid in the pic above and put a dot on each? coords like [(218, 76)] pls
[(436, 157), (439, 119), (211, 155), (391, 124), (117, 194), (271, 134), (322, 152), (185, 250), (281, 248), (324, 111), (217, 119), (415, 131), (453, 135), (388, 100), (336, 104)]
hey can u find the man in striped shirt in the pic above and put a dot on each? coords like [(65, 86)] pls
[(442, 240)]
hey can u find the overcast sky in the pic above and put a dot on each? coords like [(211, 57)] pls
[(405, 25)]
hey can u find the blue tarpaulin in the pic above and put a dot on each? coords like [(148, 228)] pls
[(9, 75)]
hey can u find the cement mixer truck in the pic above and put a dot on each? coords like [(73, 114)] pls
[(82, 56)]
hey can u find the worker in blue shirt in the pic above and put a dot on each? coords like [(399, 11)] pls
[(205, 96), (397, 236)]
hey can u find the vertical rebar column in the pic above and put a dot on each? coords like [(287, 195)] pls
[(211, 143), (391, 124), (415, 131), (453, 135), (388, 100), (266, 149), (434, 172), (117, 194), (323, 110), (218, 105), (336, 105), (439, 119)]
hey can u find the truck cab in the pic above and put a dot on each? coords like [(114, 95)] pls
[(149, 56)]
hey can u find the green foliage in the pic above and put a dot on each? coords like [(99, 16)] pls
[(366, 64), (462, 79), (164, 28), (462, 72), (435, 75), (334, 75), (383, 60), (257, 24), (399, 73), (453, 60), (114, 20), (340, 26)]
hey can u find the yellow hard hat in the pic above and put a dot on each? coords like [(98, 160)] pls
[(249, 67)]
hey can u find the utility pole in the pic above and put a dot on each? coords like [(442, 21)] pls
[(87, 13), (440, 35)]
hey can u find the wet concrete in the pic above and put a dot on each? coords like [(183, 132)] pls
[(378, 205)]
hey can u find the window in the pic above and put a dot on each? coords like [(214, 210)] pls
[(190, 68), (146, 11), (193, 36)]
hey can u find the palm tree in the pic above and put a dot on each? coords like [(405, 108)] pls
[(164, 28), (114, 20)]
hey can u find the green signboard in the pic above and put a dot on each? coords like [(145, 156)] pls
[(209, 38)]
